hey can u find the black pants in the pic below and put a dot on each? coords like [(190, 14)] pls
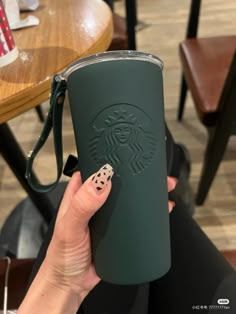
[(198, 278)]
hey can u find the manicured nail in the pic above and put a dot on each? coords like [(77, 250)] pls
[(171, 205), (102, 177)]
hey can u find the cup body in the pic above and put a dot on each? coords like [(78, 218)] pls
[(116, 101), (8, 50)]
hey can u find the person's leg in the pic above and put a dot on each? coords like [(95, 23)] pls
[(105, 298), (199, 274), (197, 270)]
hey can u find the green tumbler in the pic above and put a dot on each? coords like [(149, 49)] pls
[(116, 101)]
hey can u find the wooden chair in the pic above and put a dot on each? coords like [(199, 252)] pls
[(18, 279), (230, 256), (209, 72), (40, 113), (124, 27)]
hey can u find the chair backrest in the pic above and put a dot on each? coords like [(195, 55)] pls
[(227, 103)]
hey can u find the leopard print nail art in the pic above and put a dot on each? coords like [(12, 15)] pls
[(102, 177)]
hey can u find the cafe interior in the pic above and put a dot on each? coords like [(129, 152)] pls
[(196, 43)]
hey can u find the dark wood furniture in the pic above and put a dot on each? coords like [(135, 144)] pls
[(209, 72), (43, 52), (18, 278), (124, 37)]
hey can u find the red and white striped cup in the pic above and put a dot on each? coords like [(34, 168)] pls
[(8, 50)]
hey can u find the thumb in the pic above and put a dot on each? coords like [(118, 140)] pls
[(89, 198)]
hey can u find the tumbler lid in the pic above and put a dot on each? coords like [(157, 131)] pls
[(109, 56)]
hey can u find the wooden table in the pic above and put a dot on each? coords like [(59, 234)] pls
[(68, 30)]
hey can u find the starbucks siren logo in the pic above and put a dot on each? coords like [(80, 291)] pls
[(121, 135)]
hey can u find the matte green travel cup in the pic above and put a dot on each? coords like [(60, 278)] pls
[(116, 101)]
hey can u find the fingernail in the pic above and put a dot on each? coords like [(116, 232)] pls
[(171, 205), (101, 178)]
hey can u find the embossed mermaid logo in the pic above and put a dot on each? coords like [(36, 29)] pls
[(122, 136)]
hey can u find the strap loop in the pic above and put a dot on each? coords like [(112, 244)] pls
[(54, 120)]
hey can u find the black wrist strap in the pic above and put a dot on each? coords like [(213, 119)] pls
[(53, 121)]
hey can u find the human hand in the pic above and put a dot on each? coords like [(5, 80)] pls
[(69, 253), (71, 239), (67, 270), (67, 274), (171, 184)]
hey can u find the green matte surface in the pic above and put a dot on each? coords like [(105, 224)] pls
[(118, 118)]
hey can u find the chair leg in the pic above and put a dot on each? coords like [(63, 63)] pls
[(183, 92), (214, 153), (131, 20), (16, 160), (40, 113)]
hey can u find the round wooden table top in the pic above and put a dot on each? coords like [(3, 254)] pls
[(68, 30)]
